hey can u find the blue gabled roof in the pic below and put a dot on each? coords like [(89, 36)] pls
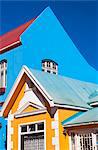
[(64, 90), (88, 117)]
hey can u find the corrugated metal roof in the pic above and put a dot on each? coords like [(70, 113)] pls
[(94, 97), (65, 90), (89, 116)]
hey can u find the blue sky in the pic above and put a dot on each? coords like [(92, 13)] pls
[(79, 19)]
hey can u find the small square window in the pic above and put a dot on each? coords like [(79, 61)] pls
[(54, 66), (24, 128), (43, 70), (40, 126), (54, 72), (32, 127)]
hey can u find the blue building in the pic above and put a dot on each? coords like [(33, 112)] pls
[(40, 40)]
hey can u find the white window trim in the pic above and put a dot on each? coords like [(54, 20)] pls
[(19, 132)]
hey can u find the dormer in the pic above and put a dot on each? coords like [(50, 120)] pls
[(49, 66)]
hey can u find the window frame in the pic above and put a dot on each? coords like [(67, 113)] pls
[(38, 131)]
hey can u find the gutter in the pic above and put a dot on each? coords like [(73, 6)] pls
[(75, 125)]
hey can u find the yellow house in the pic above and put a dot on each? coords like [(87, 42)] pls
[(37, 105)]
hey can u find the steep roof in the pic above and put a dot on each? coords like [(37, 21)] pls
[(12, 39), (84, 118)]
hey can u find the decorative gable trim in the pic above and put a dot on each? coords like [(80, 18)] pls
[(26, 71), (36, 112), (26, 105)]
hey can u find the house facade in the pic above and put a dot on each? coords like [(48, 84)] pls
[(41, 45), (38, 107)]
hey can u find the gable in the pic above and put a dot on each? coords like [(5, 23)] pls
[(29, 96), (25, 89), (27, 100), (29, 109)]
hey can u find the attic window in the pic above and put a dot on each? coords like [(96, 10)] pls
[(49, 66), (3, 72)]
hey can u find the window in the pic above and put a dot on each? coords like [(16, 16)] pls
[(54, 72), (32, 136), (24, 129), (3, 72), (40, 126), (48, 71), (97, 141), (32, 127), (43, 70), (54, 65), (84, 141)]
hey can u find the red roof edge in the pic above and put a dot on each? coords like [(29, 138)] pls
[(10, 47), (11, 39)]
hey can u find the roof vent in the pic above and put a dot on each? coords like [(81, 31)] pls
[(49, 66)]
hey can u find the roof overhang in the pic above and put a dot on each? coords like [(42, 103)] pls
[(80, 124), (11, 39), (10, 46), (94, 104), (71, 107)]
